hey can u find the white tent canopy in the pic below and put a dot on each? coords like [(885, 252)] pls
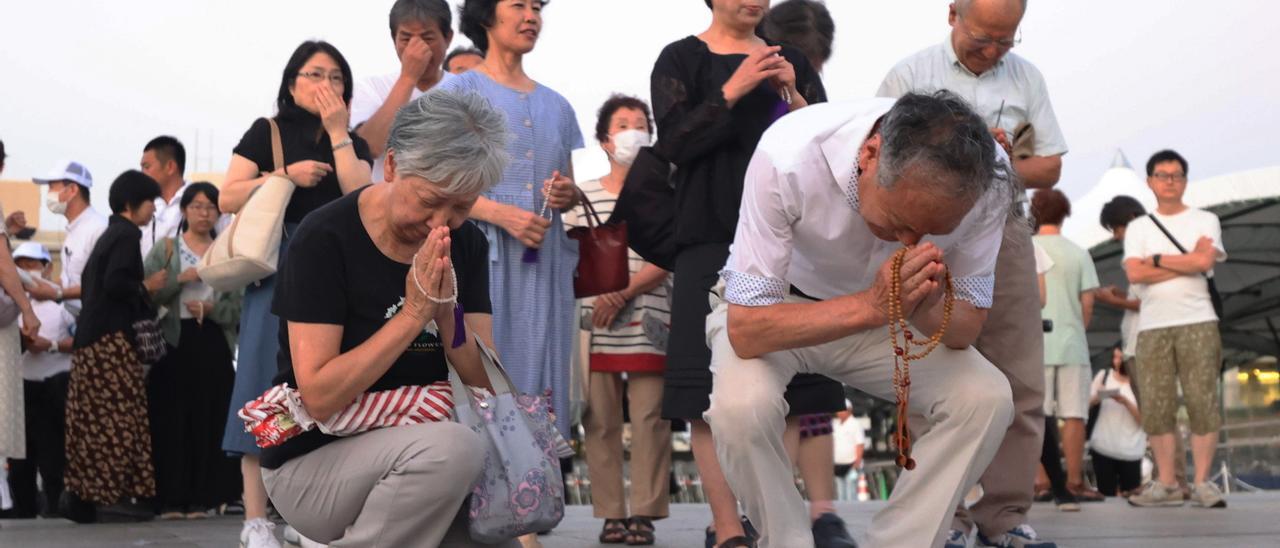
[(1121, 179)]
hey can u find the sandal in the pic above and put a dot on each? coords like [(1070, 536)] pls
[(1084, 493), (737, 542), (640, 532), (614, 532)]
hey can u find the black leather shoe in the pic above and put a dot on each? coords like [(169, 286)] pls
[(829, 531)]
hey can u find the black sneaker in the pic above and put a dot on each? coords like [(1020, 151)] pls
[(748, 531), (829, 531)]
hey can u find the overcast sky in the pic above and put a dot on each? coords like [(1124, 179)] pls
[(94, 81)]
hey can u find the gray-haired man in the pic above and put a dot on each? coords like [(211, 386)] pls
[(832, 192), (1009, 93)]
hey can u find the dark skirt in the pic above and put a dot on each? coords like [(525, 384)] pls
[(189, 393), (687, 389), (108, 434)]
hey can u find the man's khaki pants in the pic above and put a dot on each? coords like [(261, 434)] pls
[(966, 400), (1012, 339)]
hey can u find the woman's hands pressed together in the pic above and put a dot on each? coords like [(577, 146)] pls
[(430, 278)]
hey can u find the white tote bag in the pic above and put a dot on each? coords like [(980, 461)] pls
[(250, 248)]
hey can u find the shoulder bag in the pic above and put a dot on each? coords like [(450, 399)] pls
[(250, 248), (519, 490), (1214, 296), (602, 255)]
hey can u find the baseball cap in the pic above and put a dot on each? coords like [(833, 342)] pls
[(32, 250), (67, 171)]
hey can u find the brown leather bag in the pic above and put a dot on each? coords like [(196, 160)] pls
[(602, 255)]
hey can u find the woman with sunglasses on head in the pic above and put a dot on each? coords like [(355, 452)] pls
[(326, 161)]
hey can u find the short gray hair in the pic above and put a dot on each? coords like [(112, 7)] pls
[(456, 140), (946, 144), (422, 11)]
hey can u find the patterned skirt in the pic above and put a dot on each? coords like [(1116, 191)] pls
[(108, 434)]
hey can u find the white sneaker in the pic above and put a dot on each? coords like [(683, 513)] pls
[(294, 539), (258, 533)]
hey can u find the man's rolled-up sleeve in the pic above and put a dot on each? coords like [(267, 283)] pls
[(973, 261), (756, 273)]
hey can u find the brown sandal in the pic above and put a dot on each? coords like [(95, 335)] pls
[(614, 532)]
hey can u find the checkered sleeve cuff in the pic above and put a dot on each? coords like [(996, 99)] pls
[(751, 290), (976, 290)]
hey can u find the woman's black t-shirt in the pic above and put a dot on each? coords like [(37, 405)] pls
[(334, 274), (303, 138)]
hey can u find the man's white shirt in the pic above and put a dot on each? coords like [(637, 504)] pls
[(369, 96), (82, 236), (800, 225), (1183, 300), (1011, 93)]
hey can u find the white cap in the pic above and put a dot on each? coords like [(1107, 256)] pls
[(32, 250), (67, 171)]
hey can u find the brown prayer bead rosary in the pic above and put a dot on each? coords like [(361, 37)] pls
[(902, 355)]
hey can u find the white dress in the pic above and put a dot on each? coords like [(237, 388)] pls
[(13, 429)]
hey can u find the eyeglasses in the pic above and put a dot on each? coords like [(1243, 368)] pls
[(984, 41), (203, 208), (1170, 177), (317, 76)]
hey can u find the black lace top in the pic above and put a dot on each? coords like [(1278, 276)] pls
[(709, 143)]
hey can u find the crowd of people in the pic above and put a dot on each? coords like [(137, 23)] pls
[(780, 246)]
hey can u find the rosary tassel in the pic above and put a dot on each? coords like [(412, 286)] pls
[(459, 327)]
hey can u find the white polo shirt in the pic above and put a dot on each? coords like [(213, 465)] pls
[(1014, 81), (82, 235), (368, 97), (799, 224)]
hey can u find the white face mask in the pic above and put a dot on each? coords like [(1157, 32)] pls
[(55, 205), (626, 145), (36, 273)]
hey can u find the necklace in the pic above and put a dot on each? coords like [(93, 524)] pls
[(902, 355)]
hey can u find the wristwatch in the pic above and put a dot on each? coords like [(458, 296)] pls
[(58, 297), (53, 348), (1155, 260)]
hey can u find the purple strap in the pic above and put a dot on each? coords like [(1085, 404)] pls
[(780, 109), (459, 327), (530, 255)]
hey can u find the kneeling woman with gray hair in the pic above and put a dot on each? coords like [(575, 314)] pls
[(372, 293)]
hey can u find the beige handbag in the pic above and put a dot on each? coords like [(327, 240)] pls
[(249, 249)]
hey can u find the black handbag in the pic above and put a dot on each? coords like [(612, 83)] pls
[(647, 204), (1214, 296), (148, 339)]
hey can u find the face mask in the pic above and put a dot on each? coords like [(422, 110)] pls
[(626, 145), (55, 205), (36, 273)]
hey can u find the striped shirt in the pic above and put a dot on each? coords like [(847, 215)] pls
[(623, 346)]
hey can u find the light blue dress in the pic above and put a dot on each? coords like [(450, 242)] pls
[(533, 303)]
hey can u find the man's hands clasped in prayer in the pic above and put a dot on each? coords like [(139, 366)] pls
[(923, 282)]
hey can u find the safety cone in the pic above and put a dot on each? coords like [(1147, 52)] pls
[(863, 493)]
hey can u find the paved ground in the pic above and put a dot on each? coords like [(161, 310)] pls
[(1251, 520)]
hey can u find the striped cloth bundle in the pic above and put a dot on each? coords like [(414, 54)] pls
[(279, 415)]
